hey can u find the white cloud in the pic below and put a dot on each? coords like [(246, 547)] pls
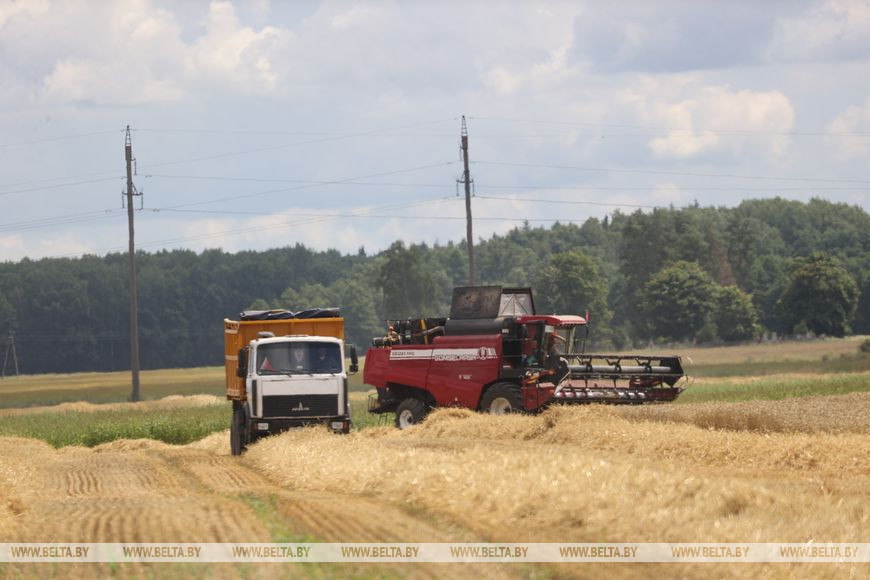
[(670, 36), (716, 119), (138, 56), (233, 54), (14, 247), (849, 133), (30, 8), (830, 30)]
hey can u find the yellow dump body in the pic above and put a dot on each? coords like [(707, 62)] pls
[(238, 334)]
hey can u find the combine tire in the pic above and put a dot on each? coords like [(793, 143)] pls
[(502, 398), (237, 430), (410, 412)]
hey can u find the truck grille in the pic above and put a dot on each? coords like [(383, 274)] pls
[(300, 405)]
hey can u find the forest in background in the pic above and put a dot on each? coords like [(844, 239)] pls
[(670, 275)]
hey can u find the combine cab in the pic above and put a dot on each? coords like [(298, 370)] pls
[(497, 355)]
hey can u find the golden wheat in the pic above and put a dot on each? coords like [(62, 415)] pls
[(170, 402), (586, 474), (832, 414)]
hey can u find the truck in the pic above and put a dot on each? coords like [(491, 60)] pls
[(286, 369), (496, 354)]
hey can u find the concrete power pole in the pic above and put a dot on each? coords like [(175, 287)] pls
[(466, 179), (10, 345), (134, 316)]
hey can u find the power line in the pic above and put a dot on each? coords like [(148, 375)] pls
[(647, 188), (815, 133), (665, 172), (573, 202), (60, 185), (297, 144), (258, 228), (59, 220), (500, 186), (302, 181), (317, 184), (89, 216), (298, 133), (63, 138)]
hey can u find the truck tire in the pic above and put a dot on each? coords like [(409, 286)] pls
[(237, 430), (410, 412), (502, 398)]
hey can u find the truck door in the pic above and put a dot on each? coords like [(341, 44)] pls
[(251, 386)]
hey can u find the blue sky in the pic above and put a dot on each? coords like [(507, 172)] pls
[(336, 124)]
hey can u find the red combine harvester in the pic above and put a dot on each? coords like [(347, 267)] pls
[(496, 354)]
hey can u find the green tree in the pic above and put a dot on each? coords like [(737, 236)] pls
[(7, 318), (407, 283), (568, 283), (862, 315), (821, 294), (307, 297), (677, 301), (736, 318)]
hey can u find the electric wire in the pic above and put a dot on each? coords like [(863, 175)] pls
[(666, 172), (815, 133), (289, 145)]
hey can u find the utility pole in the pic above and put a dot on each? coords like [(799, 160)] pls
[(134, 317), (466, 179), (10, 344)]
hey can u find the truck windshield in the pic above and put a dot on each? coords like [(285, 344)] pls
[(298, 357)]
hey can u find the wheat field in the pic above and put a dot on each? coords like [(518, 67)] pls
[(571, 474), (792, 468)]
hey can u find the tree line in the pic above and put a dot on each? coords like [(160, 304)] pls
[(692, 274)]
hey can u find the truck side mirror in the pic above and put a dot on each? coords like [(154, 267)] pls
[(242, 363), (354, 359)]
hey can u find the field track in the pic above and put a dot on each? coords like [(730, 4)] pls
[(792, 470), (146, 491)]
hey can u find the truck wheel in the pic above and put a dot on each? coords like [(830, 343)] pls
[(503, 398), (410, 412), (237, 430)]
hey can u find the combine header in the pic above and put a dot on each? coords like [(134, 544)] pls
[(497, 355)]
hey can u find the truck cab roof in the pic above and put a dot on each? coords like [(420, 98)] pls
[(297, 338)]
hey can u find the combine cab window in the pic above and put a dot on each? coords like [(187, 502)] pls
[(562, 341), (298, 357)]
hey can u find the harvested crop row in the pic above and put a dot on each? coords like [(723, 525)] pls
[(833, 414), (170, 402), (584, 474), (148, 491)]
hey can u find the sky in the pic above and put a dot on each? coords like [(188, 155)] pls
[(337, 124)]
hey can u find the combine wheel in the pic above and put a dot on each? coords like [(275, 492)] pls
[(237, 430), (502, 398), (410, 412)]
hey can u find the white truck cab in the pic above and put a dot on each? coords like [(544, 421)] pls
[(280, 382), (297, 379)]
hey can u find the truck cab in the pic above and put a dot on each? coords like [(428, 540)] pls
[(281, 382)]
